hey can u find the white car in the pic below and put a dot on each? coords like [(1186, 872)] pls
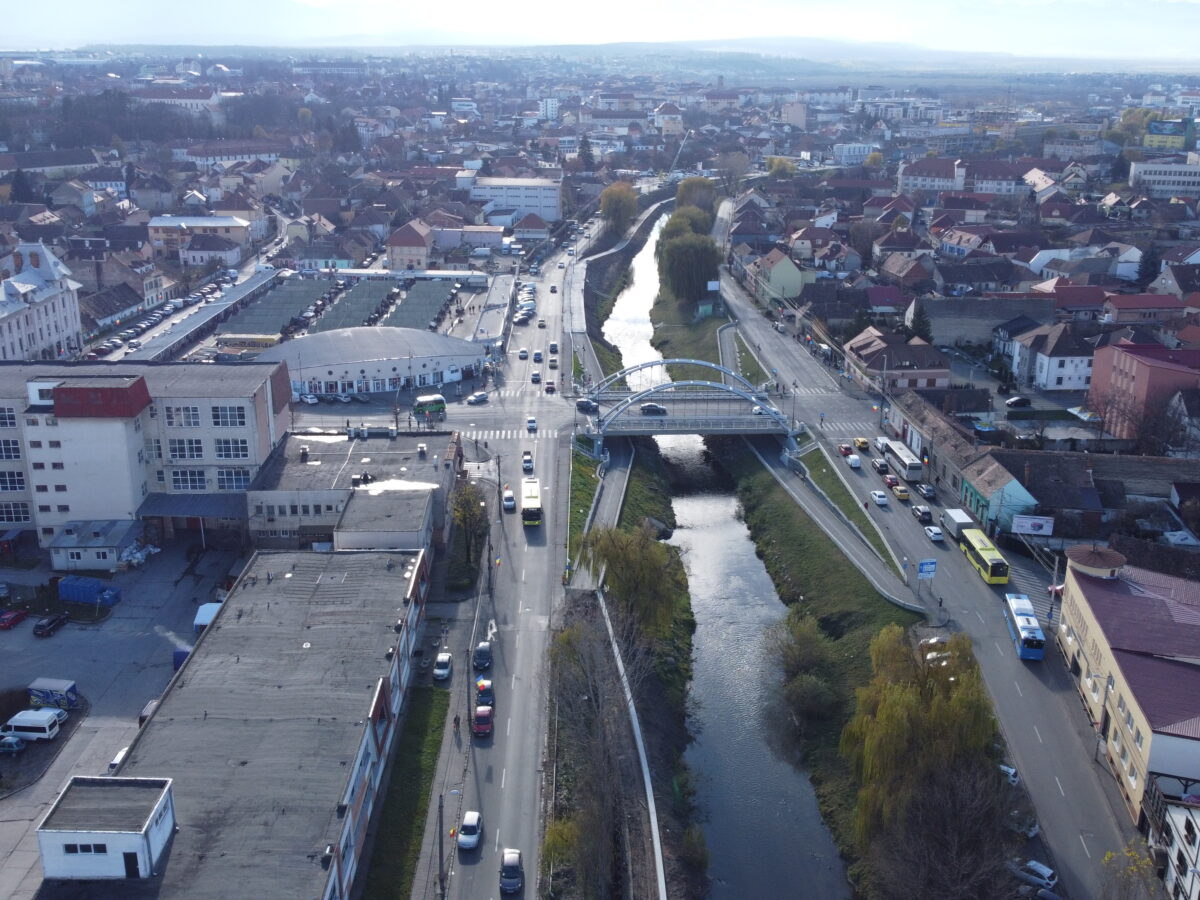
[(562, 265), (478, 397), (934, 533), (531, 424), (342, 398), (471, 830), (442, 666), (1033, 872), (1010, 775), (880, 498), (309, 398), (510, 500)]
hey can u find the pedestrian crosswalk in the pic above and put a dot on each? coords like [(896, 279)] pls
[(509, 434), (1027, 577), (852, 429), (812, 390)]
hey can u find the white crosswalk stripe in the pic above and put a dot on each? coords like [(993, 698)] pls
[(1027, 577), (865, 429), (510, 434)]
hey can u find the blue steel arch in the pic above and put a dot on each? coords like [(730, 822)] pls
[(612, 379)]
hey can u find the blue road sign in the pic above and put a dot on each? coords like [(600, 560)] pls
[(926, 568)]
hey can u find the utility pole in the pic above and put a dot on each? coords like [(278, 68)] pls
[(441, 849)]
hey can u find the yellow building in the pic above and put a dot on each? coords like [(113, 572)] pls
[(1169, 135), (1131, 639)]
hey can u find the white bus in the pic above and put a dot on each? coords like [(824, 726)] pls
[(905, 462)]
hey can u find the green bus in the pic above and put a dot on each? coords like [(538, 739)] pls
[(429, 403)]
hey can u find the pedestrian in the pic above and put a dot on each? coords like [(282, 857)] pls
[(866, 505), (456, 720)]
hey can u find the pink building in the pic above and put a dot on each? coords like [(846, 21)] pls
[(1131, 383)]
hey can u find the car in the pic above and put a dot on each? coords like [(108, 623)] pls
[(880, 465), (554, 362), (1023, 824), (900, 491), (470, 832), (1033, 872), (484, 694), (861, 443), (309, 399), (1018, 402), (478, 397), (527, 460), (934, 533), (1009, 774), (535, 376), (509, 500), (523, 353), (890, 480), (10, 618), (584, 405), (922, 513), (537, 355), (541, 323), (342, 398), (570, 251), (926, 490), (550, 387), (522, 319), (482, 657), (554, 288), (531, 423), (481, 721), (854, 461), (11, 744), (761, 411), (562, 264), (653, 409), (512, 872), (880, 498), (845, 449), (443, 666), (47, 625), (554, 346)]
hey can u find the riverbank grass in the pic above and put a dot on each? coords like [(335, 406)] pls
[(748, 365), (823, 476), (584, 483), (809, 572), (678, 335)]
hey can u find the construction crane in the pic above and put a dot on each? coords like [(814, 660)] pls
[(675, 163)]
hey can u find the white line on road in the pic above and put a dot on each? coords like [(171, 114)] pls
[(503, 775), (522, 575), (513, 686), (980, 617), (1085, 849), (1059, 783), (998, 650), (508, 726), (1039, 735), (1018, 687)]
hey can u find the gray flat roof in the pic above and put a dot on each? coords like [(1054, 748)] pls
[(391, 509), (238, 379), (104, 804), (353, 346), (334, 460), (260, 729)]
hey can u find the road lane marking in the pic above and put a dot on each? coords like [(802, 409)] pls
[(980, 617), (998, 650), (1059, 783), (1018, 687), (522, 575), (508, 726), (1085, 849), (1039, 735), (513, 686), (503, 775)]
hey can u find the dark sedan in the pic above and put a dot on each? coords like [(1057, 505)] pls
[(46, 626)]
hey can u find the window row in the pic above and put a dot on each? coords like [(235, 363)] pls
[(235, 479), (294, 509), (85, 848), (193, 448), (222, 416)]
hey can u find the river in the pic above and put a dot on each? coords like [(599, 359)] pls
[(761, 823)]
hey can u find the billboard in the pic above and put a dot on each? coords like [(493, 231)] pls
[(1040, 525)]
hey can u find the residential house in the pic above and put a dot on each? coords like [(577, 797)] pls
[(107, 178), (531, 227), (108, 309), (1052, 358), (238, 205), (899, 240), (205, 249), (152, 192), (979, 275), (894, 363), (169, 235), (775, 277), (1005, 334), (39, 306), (912, 272), (410, 246), (805, 243), (1176, 279), (837, 257), (1132, 384), (1142, 309), (75, 193)]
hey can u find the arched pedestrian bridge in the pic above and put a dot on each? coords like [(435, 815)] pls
[(731, 405)]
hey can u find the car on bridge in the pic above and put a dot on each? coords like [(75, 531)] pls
[(653, 409), (584, 405)]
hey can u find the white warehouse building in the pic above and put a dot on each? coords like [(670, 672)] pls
[(541, 196)]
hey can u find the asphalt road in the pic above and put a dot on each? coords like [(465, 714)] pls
[(1048, 736)]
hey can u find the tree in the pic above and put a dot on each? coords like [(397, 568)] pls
[(304, 118), (618, 206), (778, 167), (347, 140), (698, 192), (921, 326), (587, 156), (685, 220), (22, 188), (732, 166), (1148, 266), (874, 160), (469, 512), (1129, 874), (637, 572), (686, 265)]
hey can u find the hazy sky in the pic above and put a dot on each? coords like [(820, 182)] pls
[(1145, 29)]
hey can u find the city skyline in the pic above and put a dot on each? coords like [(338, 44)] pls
[(1063, 29)]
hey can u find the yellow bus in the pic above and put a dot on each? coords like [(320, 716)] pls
[(983, 555)]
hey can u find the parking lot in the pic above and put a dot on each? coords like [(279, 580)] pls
[(118, 665)]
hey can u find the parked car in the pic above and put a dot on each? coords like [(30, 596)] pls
[(481, 721), (442, 666), (880, 498), (653, 409), (1033, 872), (482, 657), (470, 832), (46, 626), (11, 744), (342, 398), (10, 618), (934, 533), (1018, 402), (1009, 774), (512, 872), (926, 491), (309, 399)]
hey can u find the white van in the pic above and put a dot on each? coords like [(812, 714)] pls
[(33, 725), (117, 760)]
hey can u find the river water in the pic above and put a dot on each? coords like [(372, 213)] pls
[(764, 831)]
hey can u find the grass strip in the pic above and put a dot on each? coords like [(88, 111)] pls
[(584, 482), (747, 364), (823, 476)]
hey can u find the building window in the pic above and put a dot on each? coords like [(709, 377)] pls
[(8, 417), (183, 416), (1137, 738), (1189, 833), (10, 449), (153, 448), (41, 488), (70, 848), (12, 481), (31, 420), (233, 479), (43, 507), (14, 512), (54, 445), (35, 445), (60, 489), (228, 416), (62, 507), (75, 555), (57, 465), (185, 448), (38, 466), (187, 479), (233, 448)]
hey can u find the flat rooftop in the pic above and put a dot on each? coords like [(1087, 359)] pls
[(334, 461), (260, 729), (391, 508), (105, 804)]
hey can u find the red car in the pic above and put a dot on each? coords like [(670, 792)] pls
[(10, 617), (891, 480), (481, 722), (845, 449)]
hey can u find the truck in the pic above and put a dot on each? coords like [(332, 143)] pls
[(953, 521)]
